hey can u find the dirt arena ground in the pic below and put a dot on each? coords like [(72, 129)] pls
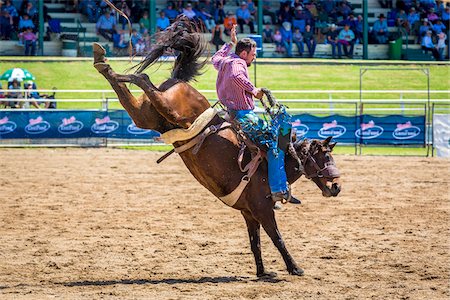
[(111, 223)]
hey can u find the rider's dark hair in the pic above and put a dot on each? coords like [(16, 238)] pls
[(245, 44)]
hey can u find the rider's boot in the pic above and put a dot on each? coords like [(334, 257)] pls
[(294, 200)]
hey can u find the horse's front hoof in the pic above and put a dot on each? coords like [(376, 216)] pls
[(267, 275), (297, 271)]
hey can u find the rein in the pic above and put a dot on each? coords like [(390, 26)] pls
[(130, 47)]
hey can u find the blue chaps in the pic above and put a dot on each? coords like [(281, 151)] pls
[(263, 134)]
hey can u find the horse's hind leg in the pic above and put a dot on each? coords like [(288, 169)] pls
[(255, 243), (131, 104), (267, 220)]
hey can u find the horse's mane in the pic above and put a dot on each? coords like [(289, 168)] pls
[(184, 37)]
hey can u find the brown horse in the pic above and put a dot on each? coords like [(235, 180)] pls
[(176, 105)]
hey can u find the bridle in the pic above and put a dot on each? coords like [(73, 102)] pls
[(329, 170)]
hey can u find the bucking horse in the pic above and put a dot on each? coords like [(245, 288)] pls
[(214, 150)]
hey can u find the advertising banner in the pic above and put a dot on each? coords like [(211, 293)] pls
[(391, 130), (341, 128), (441, 134), (70, 124), (364, 129)]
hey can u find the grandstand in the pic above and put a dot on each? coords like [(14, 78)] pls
[(76, 34)]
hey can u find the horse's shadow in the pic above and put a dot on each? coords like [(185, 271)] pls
[(219, 279)]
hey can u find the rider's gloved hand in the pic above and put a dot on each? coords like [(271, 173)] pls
[(258, 93)]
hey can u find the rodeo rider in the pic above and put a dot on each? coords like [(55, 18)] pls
[(235, 92)]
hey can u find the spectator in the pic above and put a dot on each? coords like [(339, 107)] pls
[(442, 37), (106, 25), (267, 34), (286, 37), (162, 22), (229, 22), (285, 14), (277, 38), (188, 12), (423, 29), (358, 29), (244, 17), (438, 27), (297, 38), (268, 12), (330, 8), (322, 20), (6, 25), (310, 41), (29, 39), (137, 42), (344, 10), (31, 94), (31, 11), (92, 10), (413, 20), (216, 38), (12, 11), (346, 39), (25, 22), (127, 11), (402, 19), (144, 22), (206, 18), (170, 12), (332, 39), (219, 13), (14, 85), (380, 30), (147, 40), (2, 95), (427, 45), (446, 16), (432, 16), (252, 8)]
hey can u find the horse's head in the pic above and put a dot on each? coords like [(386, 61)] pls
[(318, 165)]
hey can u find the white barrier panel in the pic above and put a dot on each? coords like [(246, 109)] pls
[(441, 134)]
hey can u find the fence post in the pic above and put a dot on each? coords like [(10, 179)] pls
[(402, 104), (330, 97)]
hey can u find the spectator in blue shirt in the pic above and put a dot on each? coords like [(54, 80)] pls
[(439, 27), (25, 22), (244, 17), (170, 12), (428, 45), (106, 25), (162, 22), (380, 30), (6, 25), (347, 39), (286, 37), (413, 19)]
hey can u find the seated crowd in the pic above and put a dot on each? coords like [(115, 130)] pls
[(303, 23), (14, 98), (19, 20)]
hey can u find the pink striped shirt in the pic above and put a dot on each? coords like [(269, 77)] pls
[(233, 85)]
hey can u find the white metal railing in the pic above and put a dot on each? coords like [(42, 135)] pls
[(401, 94)]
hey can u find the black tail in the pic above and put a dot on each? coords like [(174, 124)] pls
[(184, 37)]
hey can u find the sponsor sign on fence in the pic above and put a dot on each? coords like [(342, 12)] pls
[(70, 124), (364, 129)]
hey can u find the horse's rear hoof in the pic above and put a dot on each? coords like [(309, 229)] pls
[(267, 275), (99, 53), (297, 272)]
